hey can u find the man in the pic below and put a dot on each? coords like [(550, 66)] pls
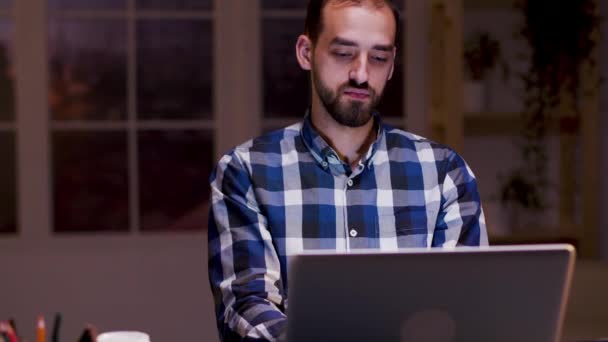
[(340, 180)]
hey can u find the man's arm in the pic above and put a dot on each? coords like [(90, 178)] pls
[(460, 220), (244, 269)]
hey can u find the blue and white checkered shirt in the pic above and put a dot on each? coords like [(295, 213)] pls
[(288, 191)]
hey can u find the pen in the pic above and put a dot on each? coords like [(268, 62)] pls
[(40, 329), (56, 327), (8, 333), (86, 336), (13, 325)]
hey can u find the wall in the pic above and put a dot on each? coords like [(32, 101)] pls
[(156, 284)]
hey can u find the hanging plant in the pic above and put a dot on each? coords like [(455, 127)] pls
[(482, 53), (562, 36)]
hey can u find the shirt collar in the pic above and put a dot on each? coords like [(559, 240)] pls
[(327, 157)]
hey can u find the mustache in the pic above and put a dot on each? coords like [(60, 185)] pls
[(351, 84)]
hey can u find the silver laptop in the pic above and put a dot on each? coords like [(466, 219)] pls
[(503, 293)]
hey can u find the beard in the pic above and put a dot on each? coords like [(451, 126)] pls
[(351, 113)]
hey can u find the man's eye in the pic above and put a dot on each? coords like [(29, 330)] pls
[(342, 54), (381, 59)]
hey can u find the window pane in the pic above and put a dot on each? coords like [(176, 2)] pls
[(175, 4), (87, 4), (6, 71), (88, 75), (174, 168), (174, 69), (286, 85), (8, 198), (391, 104), (90, 181)]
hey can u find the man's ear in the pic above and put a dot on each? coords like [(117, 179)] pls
[(304, 52)]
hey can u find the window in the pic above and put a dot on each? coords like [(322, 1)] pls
[(8, 188), (142, 99), (130, 98)]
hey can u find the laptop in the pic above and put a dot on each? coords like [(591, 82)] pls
[(497, 293)]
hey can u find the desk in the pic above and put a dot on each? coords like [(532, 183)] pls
[(587, 313)]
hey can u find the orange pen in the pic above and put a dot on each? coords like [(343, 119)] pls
[(40, 329)]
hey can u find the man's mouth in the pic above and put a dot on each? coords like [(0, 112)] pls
[(357, 94)]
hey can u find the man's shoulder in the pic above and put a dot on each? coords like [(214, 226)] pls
[(271, 142), (398, 139), (403, 146)]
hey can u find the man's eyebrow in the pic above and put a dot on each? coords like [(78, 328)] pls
[(381, 47), (342, 41), (346, 42)]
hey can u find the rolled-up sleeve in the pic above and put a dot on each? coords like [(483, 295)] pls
[(244, 269)]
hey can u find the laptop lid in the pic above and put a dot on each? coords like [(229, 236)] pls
[(502, 293)]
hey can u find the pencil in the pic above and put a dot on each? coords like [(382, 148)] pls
[(40, 329)]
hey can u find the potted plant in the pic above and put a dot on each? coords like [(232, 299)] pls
[(481, 55), (562, 36)]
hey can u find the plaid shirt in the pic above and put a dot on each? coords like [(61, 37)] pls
[(288, 191)]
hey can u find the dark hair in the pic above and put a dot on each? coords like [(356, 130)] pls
[(314, 25)]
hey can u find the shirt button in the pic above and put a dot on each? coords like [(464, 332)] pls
[(353, 233), (350, 182), (324, 164)]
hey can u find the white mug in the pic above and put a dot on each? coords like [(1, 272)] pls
[(123, 336)]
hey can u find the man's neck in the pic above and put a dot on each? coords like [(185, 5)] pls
[(351, 143)]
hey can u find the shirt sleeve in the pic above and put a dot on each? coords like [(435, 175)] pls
[(244, 269), (460, 221)]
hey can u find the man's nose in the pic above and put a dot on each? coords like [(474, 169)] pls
[(358, 70)]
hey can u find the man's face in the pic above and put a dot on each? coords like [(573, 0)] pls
[(352, 60)]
